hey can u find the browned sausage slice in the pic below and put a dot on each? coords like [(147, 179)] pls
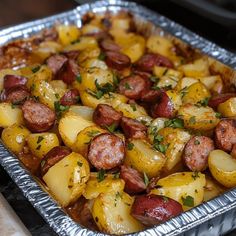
[(52, 157), (109, 45), (56, 62), (117, 60), (151, 96), (225, 134), (196, 152), (164, 107), (38, 117), (12, 81), (69, 72), (73, 55), (106, 151), (218, 99), (70, 97), (154, 209), (105, 115), (134, 182), (132, 86), (17, 95), (133, 128)]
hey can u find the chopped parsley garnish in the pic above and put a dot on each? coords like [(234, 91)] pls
[(115, 80), (116, 175), (196, 142), (195, 175), (75, 41), (130, 146), (166, 199), (154, 79), (79, 78), (161, 147), (218, 115), (80, 164), (133, 106), (192, 120), (13, 106), (32, 87), (97, 94), (40, 139), (188, 201), (93, 133), (57, 96), (111, 128), (101, 175), (158, 138), (38, 148), (102, 56), (35, 69), (175, 123), (145, 178), (42, 163), (203, 102), (60, 108), (127, 86), (155, 87), (117, 196), (183, 91)]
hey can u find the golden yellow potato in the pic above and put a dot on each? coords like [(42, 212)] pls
[(84, 111), (155, 126), (83, 43), (120, 23), (196, 93), (185, 187), (223, 168), (90, 29), (175, 139), (133, 110), (212, 189), (111, 212), (45, 92), (84, 138), (214, 83), (184, 83), (59, 87), (166, 81), (40, 144), (199, 68), (67, 33), (94, 62), (67, 179), (175, 98), (88, 53), (14, 137), (44, 73), (10, 115), (198, 118), (160, 71), (95, 186), (144, 158), (69, 127), (4, 72), (228, 108)]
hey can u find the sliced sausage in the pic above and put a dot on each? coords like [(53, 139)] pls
[(38, 117), (70, 97), (109, 45), (218, 99), (73, 55), (132, 86), (148, 61), (196, 152), (164, 107), (52, 157), (134, 182), (106, 151), (56, 62), (69, 72), (105, 115), (225, 134), (151, 96), (154, 209), (117, 60), (133, 128), (143, 74), (17, 95), (12, 81)]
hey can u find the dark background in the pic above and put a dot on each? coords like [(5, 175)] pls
[(17, 11)]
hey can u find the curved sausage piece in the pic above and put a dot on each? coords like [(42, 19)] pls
[(70, 97), (148, 61), (109, 45), (56, 62), (73, 55), (225, 134), (12, 81), (52, 157), (106, 151), (132, 86), (133, 128), (38, 117), (105, 115), (218, 99), (154, 209), (196, 152), (164, 107), (134, 182), (117, 60), (69, 72), (143, 74), (151, 96), (17, 95)]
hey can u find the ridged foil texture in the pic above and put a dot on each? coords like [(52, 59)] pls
[(215, 217)]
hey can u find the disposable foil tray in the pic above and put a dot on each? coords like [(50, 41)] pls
[(215, 217)]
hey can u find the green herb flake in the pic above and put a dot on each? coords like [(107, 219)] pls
[(203, 102), (154, 79), (166, 199), (175, 123), (195, 175), (145, 178), (183, 91), (42, 163), (38, 148), (75, 41), (60, 108), (115, 80), (188, 201), (192, 120), (102, 56), (35, 69), (158, 138), (133, 106), (57, 96), (40, 139), (155, 87), (93, 133), (111, 128), (79, 79), (116, 175), (130, 146), (13, 106), (32, 87), (80, 164), (161, 147), (218, 115), (196, 142), (127, 86), (101, 175)]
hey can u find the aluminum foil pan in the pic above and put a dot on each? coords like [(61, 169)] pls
[(214, 217)]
